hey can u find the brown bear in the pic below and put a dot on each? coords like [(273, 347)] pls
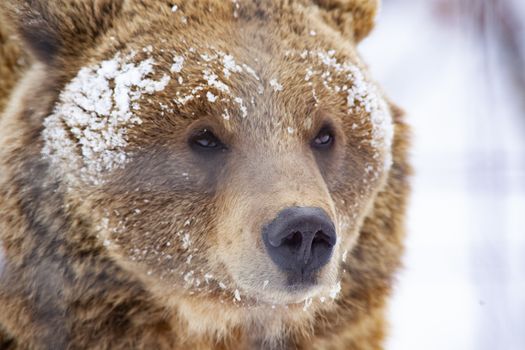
[(203, 174)]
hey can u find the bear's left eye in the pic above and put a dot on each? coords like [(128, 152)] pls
[(206, 140), (324, 139)]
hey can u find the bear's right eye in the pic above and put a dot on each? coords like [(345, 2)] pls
[(205, 140)]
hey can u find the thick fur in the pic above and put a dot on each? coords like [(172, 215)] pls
[(62, 287), (12, 63)]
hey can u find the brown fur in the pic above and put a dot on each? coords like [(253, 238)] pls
[(62, 287), (12, 63)]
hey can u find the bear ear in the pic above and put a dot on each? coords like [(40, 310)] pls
[(354, 18), (52, 28)]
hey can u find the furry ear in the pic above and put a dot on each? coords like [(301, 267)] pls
[(59, 27), (355, 18)]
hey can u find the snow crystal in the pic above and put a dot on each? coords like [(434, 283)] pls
[(222, 285), (208, 58), (178, 62), (244, 110), (230, 66), (275, 85), (237, 295), (309, 73), (345, 254), (188, 277), (186, 242), (307, 303), (313, 33), (251, 71), (211, 97), (335, 290), (93, 115), (207, 277), (183, 100), (290, 130), (213, 80), (226, 115), (174, 8), (304, 54)]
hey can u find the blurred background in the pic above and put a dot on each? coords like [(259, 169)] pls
[(458, 69)]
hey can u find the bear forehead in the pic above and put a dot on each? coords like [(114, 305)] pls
[(87, 133)]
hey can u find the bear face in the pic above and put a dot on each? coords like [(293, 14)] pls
[(186, 147), (226, 153)]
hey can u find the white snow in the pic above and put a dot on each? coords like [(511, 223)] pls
[(462, 287), (335, 290), (275, 85), (186, 242), (213, 81), (189, 278), (237, 295), (230, 65), (211, 97), (178, 63), (344, 256), (86, 135), (207, 277), (215, 88), (307, 303), (244, 110), (362, 95), (309, 74), (226, 115)]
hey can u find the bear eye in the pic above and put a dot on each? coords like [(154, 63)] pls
[(324, 139), (206, 140)]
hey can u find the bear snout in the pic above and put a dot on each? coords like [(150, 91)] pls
[(300, 241)]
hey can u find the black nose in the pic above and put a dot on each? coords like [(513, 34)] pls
[(300, 241)]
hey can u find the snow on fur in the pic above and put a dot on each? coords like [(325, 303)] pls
[(87, 130), (362, 95)]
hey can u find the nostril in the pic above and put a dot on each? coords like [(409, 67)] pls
[(322, 238), (293, 240)]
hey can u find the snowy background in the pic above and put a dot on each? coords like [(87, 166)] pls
[(457, 67)]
